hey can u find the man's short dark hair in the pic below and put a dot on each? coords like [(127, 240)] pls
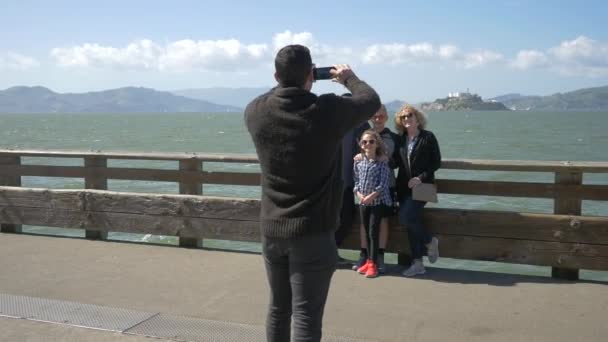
[(292, 65)]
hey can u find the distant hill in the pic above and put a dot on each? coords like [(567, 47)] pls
[(141, 100), (242, 96), (507, 97), (589, 99), (393, 106), (463, 101), (122, 100), (239, 97)]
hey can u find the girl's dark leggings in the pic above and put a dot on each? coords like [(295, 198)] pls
[(371, 217)]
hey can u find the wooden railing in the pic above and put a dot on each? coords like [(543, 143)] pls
[(564, 240)]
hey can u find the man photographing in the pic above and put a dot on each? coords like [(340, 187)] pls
[(298, 136)]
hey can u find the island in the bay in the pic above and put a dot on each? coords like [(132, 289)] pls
[(462, 101)]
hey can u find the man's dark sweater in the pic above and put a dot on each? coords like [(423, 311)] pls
[(298, 137)]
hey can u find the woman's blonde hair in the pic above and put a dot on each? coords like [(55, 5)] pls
[(420, 117), (380, 147)]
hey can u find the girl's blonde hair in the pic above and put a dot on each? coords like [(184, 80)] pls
[(380, 148), (409, 109)]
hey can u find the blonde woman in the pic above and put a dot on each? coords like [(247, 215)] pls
[(418, 158)]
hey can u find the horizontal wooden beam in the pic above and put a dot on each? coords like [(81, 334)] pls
[(211, 157), (447, 186), (134, 203), (556, 254), (525, 165), (539, 239), (542, 253), (208, 177), (506, 225), (455, 164), (523, 189), (570, 255), (480, 223), (516, 225), (181, 226)]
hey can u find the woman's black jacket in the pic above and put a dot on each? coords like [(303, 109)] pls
[(424, 161)]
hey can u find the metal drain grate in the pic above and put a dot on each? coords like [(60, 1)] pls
[(70, 313), (201, 330), (131, 322), (193, 329)]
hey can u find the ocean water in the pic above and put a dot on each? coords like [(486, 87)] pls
[(524, 135)]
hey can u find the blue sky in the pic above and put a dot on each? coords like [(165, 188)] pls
[(408, 50)]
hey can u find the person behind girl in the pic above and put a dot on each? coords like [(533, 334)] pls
[(391, 141), (371, 175)]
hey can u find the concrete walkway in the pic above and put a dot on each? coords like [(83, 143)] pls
[(445, 305)]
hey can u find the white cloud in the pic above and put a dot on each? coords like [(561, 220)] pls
[(581, 57), (321, 53), (186, 55), (182, 55), (527, 59), (449, 52), (581, 47), (398, 53), (481, 58), (15, 61), (422, 50), (142, 54), (288, 38), (426, 52)]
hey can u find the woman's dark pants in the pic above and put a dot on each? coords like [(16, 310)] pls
[(410, 214)]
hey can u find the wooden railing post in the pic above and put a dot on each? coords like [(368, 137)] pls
[(567, 206), (93, 180), (190, 188), (404, 259), (10, 181)]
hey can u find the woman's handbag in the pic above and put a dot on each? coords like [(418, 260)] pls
[(425, 192)]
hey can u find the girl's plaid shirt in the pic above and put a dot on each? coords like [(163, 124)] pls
[(371, 175)]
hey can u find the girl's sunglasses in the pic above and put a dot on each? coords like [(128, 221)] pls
[(365, 142)]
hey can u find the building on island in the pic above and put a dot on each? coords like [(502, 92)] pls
[(459, 94)]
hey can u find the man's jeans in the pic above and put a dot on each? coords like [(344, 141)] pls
[(347, 214), (299, 273)]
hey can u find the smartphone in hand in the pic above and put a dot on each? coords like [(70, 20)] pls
[(322, 73)]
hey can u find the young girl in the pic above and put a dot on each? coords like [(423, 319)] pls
[(372, 189)]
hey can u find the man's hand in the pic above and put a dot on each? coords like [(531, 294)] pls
[(341, 72), (413, 182)]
